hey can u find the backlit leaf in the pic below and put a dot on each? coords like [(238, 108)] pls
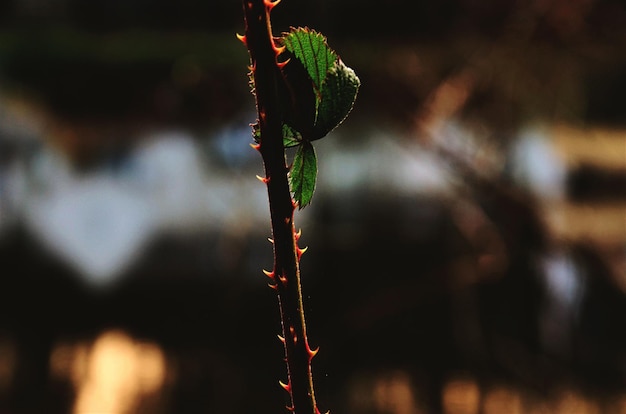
[(319, 93), (303, 174), (310, 48), (338, 96), (291, 137)]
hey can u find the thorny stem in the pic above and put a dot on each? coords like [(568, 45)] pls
[(286, 273)]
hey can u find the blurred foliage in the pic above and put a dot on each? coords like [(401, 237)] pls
[(460, 275), (125, 75), (167, 61)]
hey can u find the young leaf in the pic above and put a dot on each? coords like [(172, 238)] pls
[(310, 48), (291, 137), (319, 92), (303, 174), (334, 85), (338, 96)]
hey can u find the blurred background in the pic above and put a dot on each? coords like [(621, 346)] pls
[(467, 241)]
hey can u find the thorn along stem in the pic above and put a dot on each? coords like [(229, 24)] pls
[(268, 81)]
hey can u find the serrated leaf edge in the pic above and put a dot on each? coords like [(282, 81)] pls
[(296, 173)]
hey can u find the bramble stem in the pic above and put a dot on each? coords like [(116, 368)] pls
[(268, 81)]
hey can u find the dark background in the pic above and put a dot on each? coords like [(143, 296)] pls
[(421, 301)]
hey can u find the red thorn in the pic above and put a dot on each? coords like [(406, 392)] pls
[(242, 38), (262, 179), (269, 274), (256, 146), (301, 251), (313, 352), (298, 234), (283, 279), (278, 49), (292, 409), (286, 387), (271, 4), (275, 287), (282, 64), (281, 339), (269, 239)]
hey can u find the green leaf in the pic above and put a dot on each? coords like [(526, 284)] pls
[(303, 174), (319, 93), (338, 96), (310, 48), (315, 71), (291, 137)]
